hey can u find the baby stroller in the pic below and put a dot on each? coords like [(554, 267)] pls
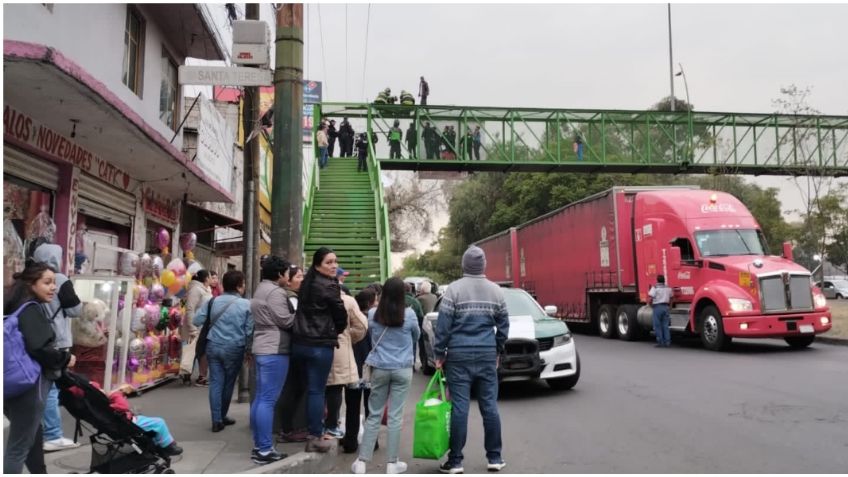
[(118, 446)]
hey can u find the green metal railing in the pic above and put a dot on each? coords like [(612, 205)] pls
[(523, 139)]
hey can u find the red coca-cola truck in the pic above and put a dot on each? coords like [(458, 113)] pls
[(596, 259)]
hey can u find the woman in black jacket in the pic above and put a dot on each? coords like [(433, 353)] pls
[(320, 318), (36, 284)]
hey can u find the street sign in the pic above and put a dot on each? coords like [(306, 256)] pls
[(225, 76)]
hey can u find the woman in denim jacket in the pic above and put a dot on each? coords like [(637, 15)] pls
[(394, 330)]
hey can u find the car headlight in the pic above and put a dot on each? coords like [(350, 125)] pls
[(562, 339), (819, 300), (740, 304)]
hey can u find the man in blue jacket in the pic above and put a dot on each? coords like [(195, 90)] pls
[(471, 332)]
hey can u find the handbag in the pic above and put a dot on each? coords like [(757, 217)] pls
[(431, 437), (202, 339), (367, 369)]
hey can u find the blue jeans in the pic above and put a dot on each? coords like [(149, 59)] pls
[(318, 360), (271, 372), (52, 420), (466, 370), (322, 157), (661, 324), (224, 366), (390, 385), (156, 424)]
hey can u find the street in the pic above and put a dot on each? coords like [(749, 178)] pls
[(760, 407)]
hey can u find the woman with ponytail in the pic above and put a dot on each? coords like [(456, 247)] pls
[(321, 317)]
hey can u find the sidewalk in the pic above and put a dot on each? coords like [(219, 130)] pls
[(186, 410)]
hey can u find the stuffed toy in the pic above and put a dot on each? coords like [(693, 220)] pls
[(89, 329)]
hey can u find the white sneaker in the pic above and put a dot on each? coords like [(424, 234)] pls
[(396, 467), (61, 443), (496, 466), (358, 467)]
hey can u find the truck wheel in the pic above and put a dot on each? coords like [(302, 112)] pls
[(712, 329), (566, 383), (799, 342), (628, 326), (606, 321)]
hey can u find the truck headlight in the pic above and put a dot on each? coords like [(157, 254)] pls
[(820, 300), (740, 304), (562, 339)]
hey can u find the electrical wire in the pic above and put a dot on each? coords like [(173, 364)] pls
[(323, 56), (365, 63)]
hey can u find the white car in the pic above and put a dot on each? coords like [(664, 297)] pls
[(834, 289), (538, 346)]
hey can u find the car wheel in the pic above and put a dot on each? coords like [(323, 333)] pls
[(628, 326), (712, 329), (566, 383), (798, 342), (839, 296), (606, 321)]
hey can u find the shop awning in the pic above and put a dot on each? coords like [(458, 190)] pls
[(40, 79)]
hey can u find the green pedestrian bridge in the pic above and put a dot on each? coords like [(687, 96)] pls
[(346, 210)]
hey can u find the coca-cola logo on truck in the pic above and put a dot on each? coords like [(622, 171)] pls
[(717, 208)]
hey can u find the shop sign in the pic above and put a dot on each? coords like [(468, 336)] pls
[(160, 207), (21, 128), (215, 141)]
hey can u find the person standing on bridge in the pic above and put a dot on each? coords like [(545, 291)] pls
[(471, 333), (346, 135), (423, 91), (323, 144), (431, 140), (395, 135), (412, 141), (478, 141), (362, 152), (468, 146), (332, 135), (659, 297)]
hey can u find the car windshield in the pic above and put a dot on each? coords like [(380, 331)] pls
[(519, 303), (722, 243)]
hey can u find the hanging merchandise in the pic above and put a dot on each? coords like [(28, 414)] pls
[(13, 252), (187, 243), (41, 229), (80, 257), (163, 239)]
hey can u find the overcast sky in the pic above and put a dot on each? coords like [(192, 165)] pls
[(736, 57)]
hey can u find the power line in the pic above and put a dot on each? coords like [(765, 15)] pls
[(365, 63), (323, 56)]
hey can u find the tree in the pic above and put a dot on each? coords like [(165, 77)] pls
[(411, 203)]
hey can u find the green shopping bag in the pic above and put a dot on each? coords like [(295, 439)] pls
[(431, 439)]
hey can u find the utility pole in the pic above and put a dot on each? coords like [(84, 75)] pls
[(287, 177), (250, 211)]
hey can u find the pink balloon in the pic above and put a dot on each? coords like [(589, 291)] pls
[(157, 292), (177, 266), (188, 241), (163, 238), (142, 293)]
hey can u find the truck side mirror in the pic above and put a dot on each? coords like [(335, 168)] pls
[(674, 258), (787, 251)]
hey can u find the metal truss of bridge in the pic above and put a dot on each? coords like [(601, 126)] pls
[(595, 141)]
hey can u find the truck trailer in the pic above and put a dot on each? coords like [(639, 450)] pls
[(596, 259)]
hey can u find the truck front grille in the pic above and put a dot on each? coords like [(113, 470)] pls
[(786, 292)]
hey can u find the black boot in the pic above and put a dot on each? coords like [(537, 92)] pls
[(173, 449)]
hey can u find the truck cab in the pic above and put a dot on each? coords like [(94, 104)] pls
[(727, 284)]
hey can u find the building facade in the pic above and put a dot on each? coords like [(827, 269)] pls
[(93, 133)]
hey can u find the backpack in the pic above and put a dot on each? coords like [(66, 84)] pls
[(20, 371)]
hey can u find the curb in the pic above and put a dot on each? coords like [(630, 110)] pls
[(302, 463), (832, 341)]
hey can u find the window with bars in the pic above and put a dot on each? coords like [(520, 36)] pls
[(133, 70), (168, 97)]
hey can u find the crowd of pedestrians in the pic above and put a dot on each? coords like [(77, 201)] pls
[(309, 342)]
